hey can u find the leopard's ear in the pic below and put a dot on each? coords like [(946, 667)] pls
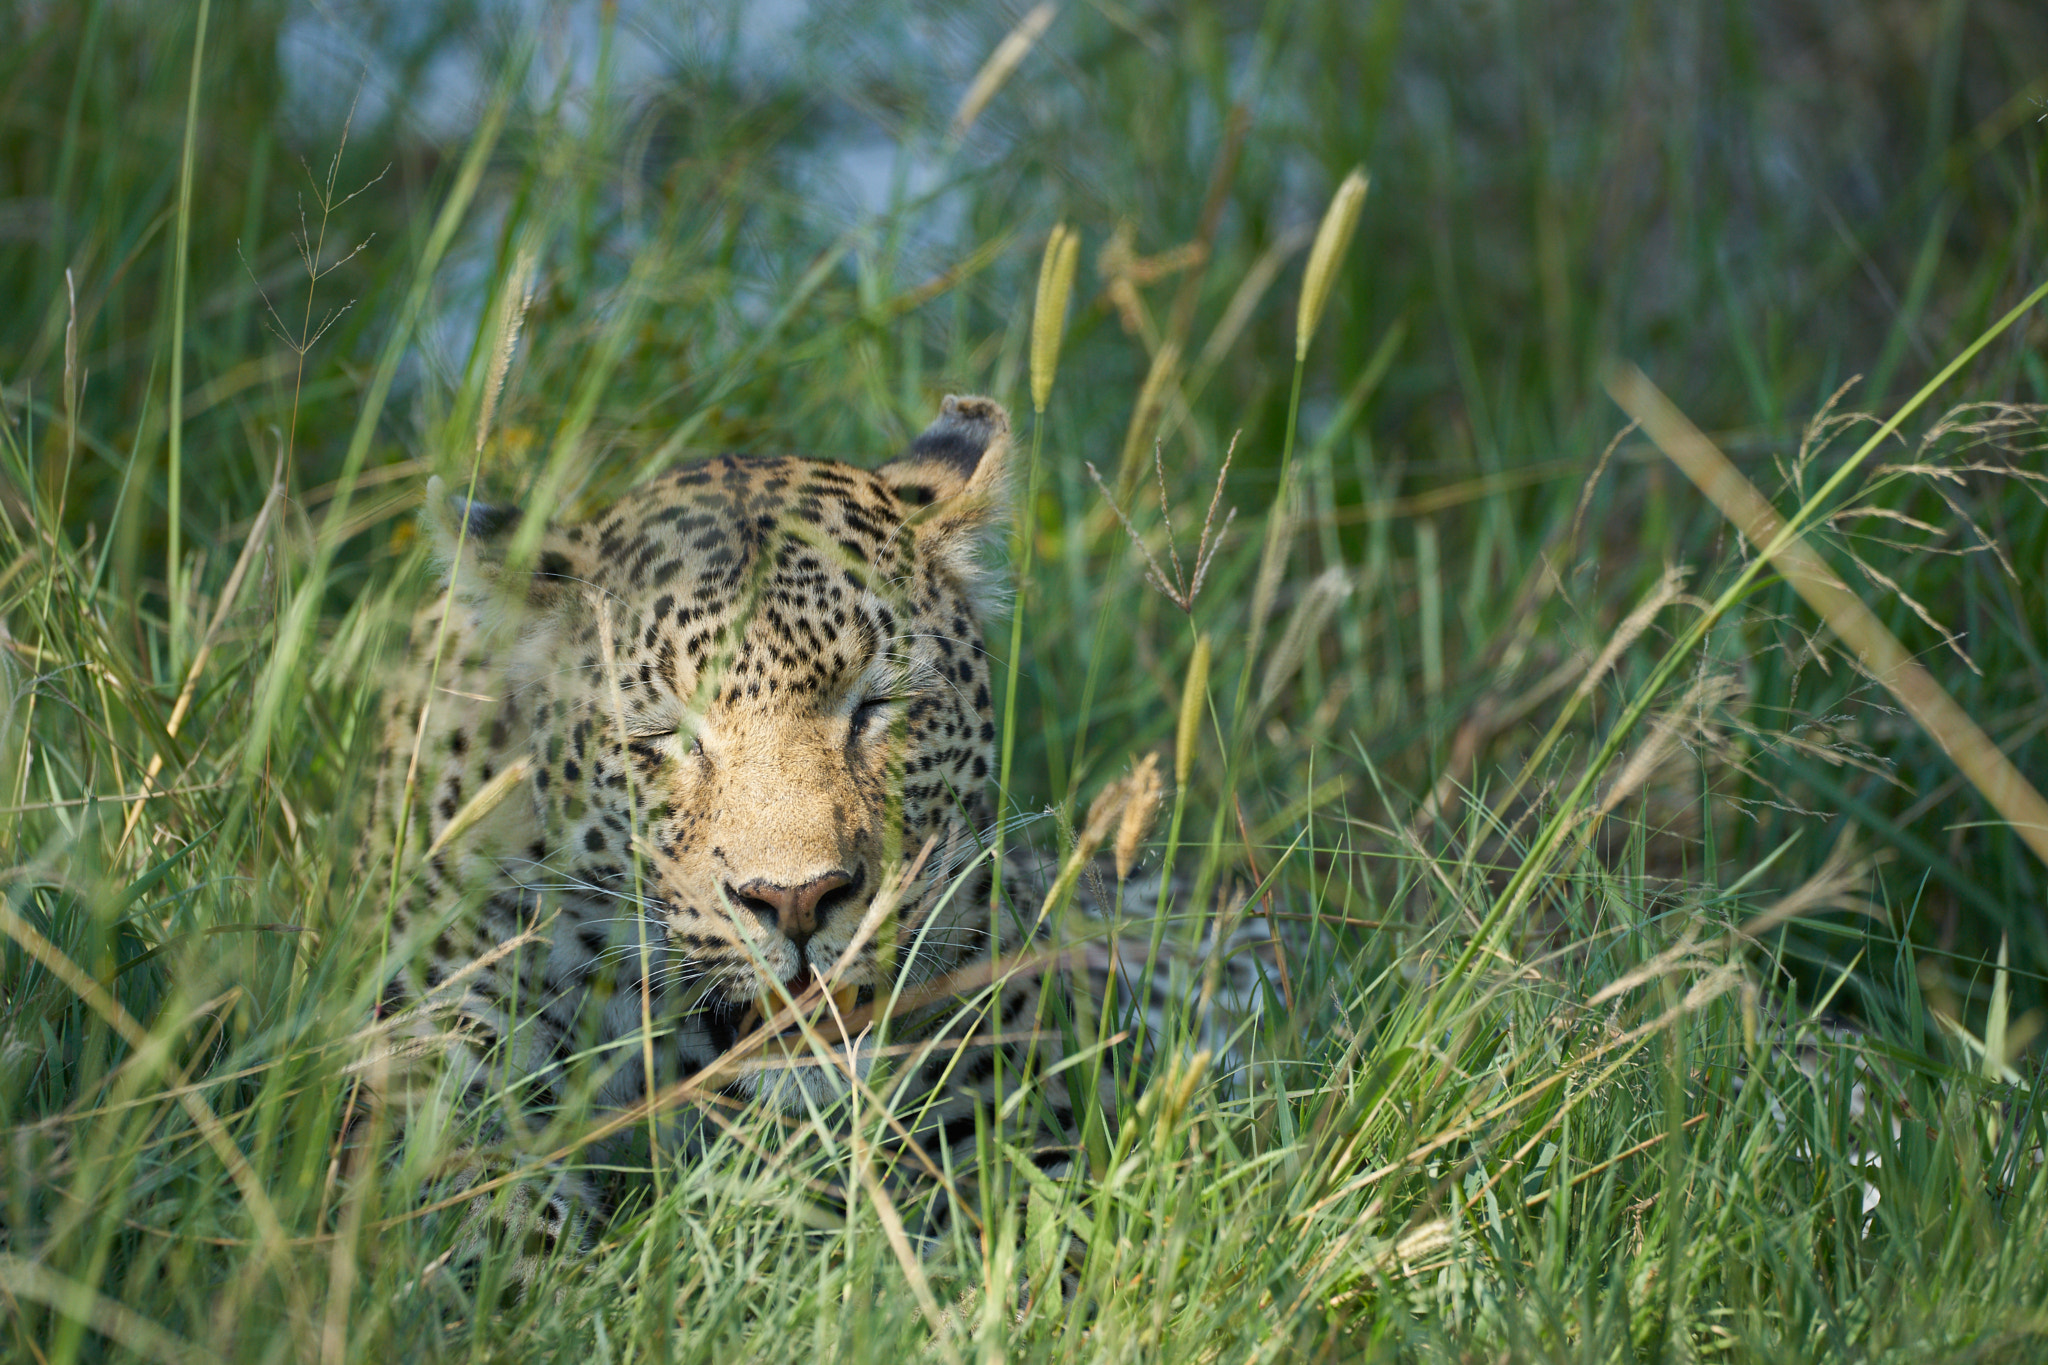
[(959, 463), (475, 542), (955, 478)]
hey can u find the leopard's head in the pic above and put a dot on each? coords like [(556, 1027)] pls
[(748, 691)]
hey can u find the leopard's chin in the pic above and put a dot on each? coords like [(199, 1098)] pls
[(730, 1020)]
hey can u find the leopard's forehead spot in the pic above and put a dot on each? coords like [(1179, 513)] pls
[(787, 577), (705, 527)]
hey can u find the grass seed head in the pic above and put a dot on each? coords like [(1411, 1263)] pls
[(1049, 316), (1103, 813), (1333, 239), (1141, 809), (512, 309)]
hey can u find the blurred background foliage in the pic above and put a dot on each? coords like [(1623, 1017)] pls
[(764, 226)]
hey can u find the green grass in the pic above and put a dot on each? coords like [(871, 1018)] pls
[(1537, 1094)]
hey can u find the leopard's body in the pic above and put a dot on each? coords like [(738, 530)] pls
[(714, 719)]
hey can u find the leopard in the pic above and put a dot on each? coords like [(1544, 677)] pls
[(705, 771)]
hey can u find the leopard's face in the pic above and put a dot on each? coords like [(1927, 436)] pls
[(746, 694)]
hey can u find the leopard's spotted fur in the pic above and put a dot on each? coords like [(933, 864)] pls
[(735, 700)]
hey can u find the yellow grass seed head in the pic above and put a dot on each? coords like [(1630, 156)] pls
[(1126, 807), (1333, 239), (1103, 813), (1049, 317), (1191, 1076), (1140, 811), (1194, 694)]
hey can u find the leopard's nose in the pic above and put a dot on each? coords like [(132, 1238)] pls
[(796, 910)]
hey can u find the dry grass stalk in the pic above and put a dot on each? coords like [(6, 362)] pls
[(1160, 378), (1118, 264), (1244, 301), (1305, 625), (899, 1241), (1281, 523), (1708, 693), (1668, 590), (1835, 886), (1593, 482), (501, 785), (1001, 64), (1119, 261), (1877, 649)]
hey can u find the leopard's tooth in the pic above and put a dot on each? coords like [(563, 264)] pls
[(767, 1005), (750, 1019), (843, 998)]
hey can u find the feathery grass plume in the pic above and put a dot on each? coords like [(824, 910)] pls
[(1008, 55), (1838, 885), (1140, 810), (1193, 694), (1682, 725), (1333, 239), (1049, 316), (512, 309), (1103, 813), (1181, 590), (1124, 807), (1877, 649)]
